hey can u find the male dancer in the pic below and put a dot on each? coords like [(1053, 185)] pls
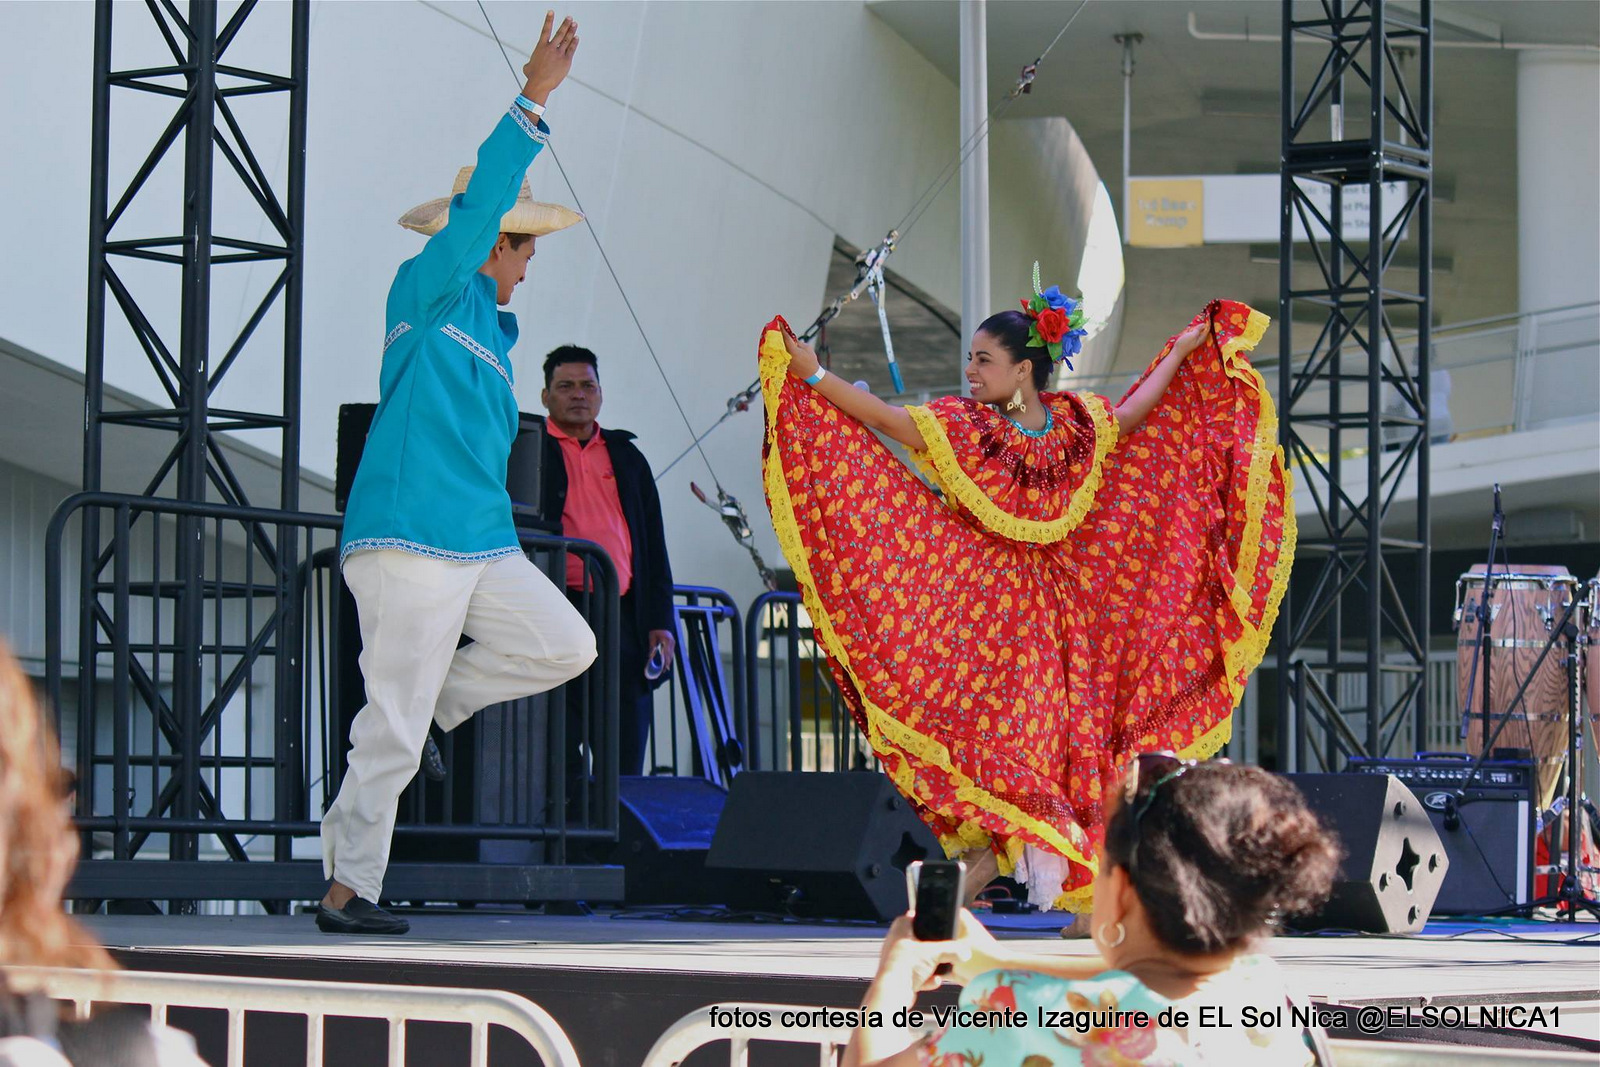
[(430, 551)]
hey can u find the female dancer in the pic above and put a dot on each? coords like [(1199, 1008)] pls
[(1084, 581)]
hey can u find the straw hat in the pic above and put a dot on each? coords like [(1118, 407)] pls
[(527, 215)]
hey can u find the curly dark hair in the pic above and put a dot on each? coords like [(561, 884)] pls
[(1223, 852), (1011, 328)]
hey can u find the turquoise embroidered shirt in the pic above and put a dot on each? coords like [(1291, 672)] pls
[(432, 478)]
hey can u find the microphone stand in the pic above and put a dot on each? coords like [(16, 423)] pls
[(1480, 655)]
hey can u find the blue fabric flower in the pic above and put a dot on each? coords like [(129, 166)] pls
[(1072, 343), (1054, 297)]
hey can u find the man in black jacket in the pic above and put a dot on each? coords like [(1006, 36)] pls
[(601, 488)]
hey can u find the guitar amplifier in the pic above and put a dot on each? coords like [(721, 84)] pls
[(1486, 826)]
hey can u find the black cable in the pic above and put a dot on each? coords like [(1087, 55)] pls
[(970, 145), (1460, 935)]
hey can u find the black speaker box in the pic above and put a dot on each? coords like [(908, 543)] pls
[(665, 826), (524, 466), (818, 844), (1394, 862), (354, 422)]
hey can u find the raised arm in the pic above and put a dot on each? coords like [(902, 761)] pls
[(451, 256), (857, 403), (1132, 411)]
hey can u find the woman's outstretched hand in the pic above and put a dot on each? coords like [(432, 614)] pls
[(1132, 411), (802, 358), (551, 61), (1192, 338), (858, 404)]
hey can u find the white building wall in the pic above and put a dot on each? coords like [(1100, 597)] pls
[(718, 148), (27, 501)]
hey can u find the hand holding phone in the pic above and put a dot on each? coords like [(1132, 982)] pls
[(935, 888)]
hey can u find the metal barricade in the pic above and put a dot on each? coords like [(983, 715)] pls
[(206, 710), (316, 1001), (798, 719), (697, 1030), (707, 707)]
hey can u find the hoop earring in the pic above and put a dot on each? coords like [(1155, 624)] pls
[(1016, 403), (1122, 935)]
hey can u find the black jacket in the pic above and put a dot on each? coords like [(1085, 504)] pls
[(641, 509)]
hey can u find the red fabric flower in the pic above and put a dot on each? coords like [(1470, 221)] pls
[(1052, 324)]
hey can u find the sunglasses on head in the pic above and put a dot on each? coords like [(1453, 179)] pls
[(1148, 772)]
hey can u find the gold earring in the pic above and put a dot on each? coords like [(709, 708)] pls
[(1122, 935), (1016, 403)]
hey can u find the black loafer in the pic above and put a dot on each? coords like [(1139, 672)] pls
[(359, 917), (432, 761)]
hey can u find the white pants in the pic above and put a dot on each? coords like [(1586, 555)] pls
[(527, 638)]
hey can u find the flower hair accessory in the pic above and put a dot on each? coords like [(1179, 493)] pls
[(1057, 324)]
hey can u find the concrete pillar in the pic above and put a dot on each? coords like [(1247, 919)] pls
[(1558, 196), (1558, 235), (974, 107)]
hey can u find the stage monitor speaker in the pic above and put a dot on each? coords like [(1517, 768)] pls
[(524, 467), (665, 826), (1486, 826), (818, 844), (1393, 862), (354, 422)]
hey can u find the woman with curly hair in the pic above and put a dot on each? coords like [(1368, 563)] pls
[(1201, 863), (38, 849)]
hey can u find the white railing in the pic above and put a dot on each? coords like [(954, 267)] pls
[(696, 1031), (317, 1001)]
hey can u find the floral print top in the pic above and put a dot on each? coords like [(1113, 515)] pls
[(1240, 1019)]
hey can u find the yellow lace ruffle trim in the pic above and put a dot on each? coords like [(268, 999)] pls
[(887, 735), (1243, 656), (939, 462)]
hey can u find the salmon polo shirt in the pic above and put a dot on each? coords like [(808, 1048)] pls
[(593, 511)]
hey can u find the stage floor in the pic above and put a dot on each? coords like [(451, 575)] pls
[(1518, 962)]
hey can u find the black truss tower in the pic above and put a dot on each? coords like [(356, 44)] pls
[(160, 684), (1353, 638)]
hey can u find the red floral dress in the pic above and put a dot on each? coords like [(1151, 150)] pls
[(1056, 603)]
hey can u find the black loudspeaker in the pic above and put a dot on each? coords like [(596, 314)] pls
[(818, 845), (1393, 864), (664, 832), (1486, 826), (354, 422), (524, 467)]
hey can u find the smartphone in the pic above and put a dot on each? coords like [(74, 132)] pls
[(935, 891)]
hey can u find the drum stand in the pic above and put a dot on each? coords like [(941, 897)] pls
[(1568, 896)]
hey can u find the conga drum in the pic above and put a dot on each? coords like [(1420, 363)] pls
[(1525, 602)]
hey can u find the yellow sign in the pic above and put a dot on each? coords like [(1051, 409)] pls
[(1165, 213)]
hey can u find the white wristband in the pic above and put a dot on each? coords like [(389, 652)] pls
[(817, 377)]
